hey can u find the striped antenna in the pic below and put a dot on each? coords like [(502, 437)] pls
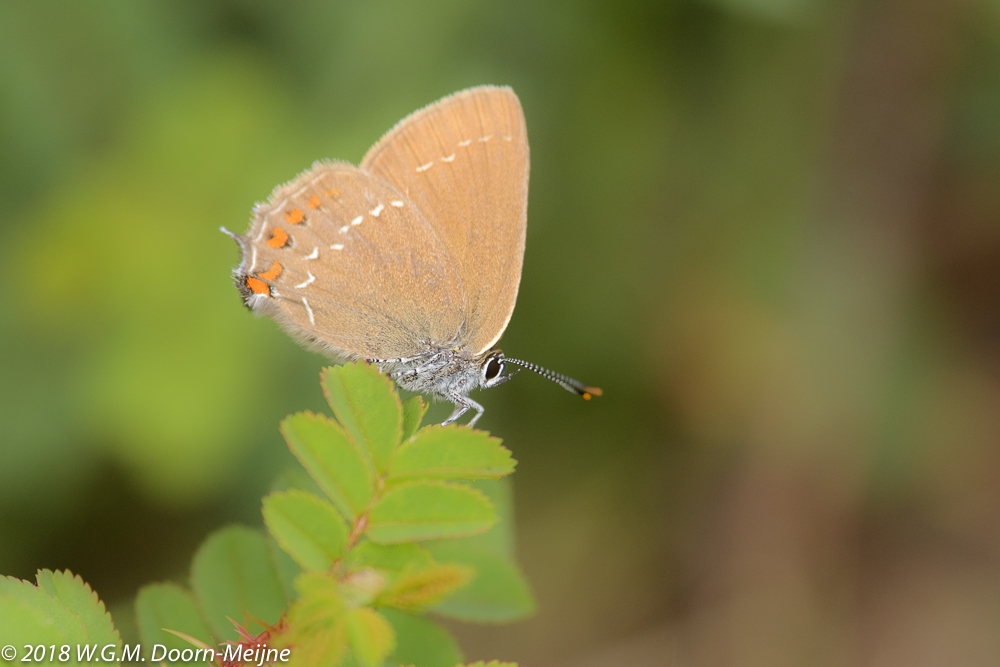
[(567, 383)]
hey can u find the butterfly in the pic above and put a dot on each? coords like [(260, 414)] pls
[(410, 260)]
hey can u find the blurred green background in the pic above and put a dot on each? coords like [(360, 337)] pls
[(769, 229)]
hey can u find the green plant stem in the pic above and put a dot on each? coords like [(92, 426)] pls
[(357, 529)]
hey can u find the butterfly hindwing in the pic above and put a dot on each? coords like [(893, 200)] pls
[(346, 262)]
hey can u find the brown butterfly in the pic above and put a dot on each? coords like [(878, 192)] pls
[(411, 260)]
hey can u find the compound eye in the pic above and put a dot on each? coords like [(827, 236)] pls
[(493, 368)]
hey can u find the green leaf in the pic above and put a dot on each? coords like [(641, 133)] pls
[(368, 408), (233, 575), (61, 610), (323, 647), (320, 605), (412, 579), (296, 477), (415, 591), (361, 587), (332, 459), (389, 557), (421, 642), (29, 615), (308, 528), (369, 635), (315, 630), (498, 593), (287, 568), (73, 593), (414, 410), (500, 538), (416, 511), (159, 606), (451, 452)]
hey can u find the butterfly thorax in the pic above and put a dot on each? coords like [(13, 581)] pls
[(442, 373)]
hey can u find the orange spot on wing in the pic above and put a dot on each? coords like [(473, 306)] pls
[(279, 237), (271, 273), (295, 216), (332, 193), (596, 391), (258, 286), (313, 202)]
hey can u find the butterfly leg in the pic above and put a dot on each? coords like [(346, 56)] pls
[(401, 360), (416, 371), (462, 405)]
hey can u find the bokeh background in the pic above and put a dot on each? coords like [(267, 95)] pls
[(769, 229)]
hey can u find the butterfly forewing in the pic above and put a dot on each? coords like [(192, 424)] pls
[(347, 262), (464, 162)]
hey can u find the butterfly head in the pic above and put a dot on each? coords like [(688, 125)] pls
[(494, 363), (491, 370)]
